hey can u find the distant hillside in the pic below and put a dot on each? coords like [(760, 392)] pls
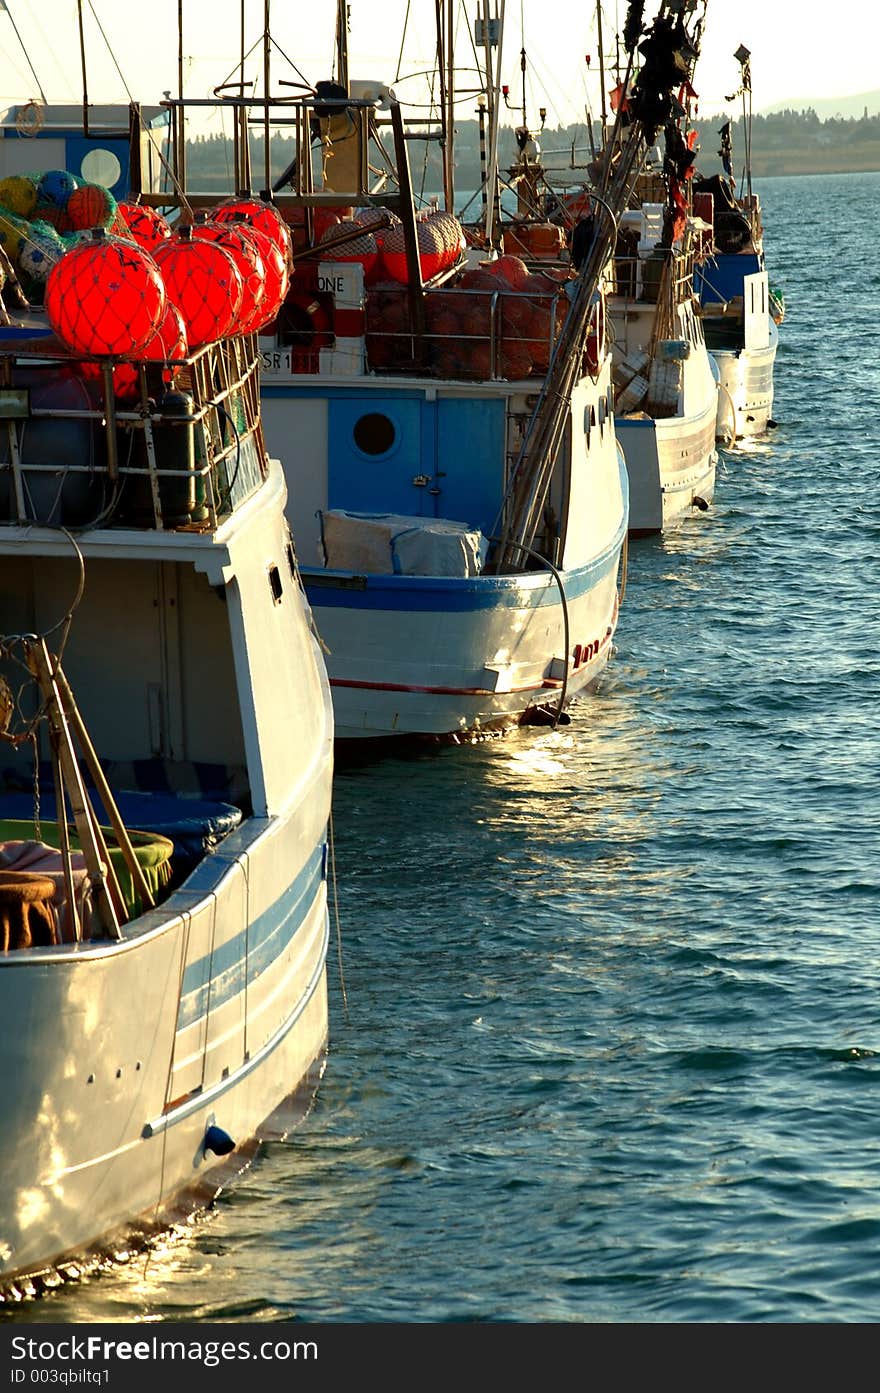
[(784, 142), (859, 105), (797, 142)]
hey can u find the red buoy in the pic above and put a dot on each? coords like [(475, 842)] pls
[(265, 217), (234, 238), (167, 344), (145, 225), (203, 282), (105, 296), (276, 278)]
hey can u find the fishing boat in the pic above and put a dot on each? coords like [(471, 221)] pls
[(665, 385), (457, 495), (166, 743), (666, 390), (740, 310)]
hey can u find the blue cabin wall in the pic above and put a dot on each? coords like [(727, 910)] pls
[(102, 157), (722, 278)]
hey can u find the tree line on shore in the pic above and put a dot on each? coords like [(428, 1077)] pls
[(786, 142)]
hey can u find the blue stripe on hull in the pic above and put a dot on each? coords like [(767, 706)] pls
[(221, 975), (432, 594)]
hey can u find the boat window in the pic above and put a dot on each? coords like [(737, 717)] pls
[(275, 584), (588, 415), (375, 433), (101, 167)]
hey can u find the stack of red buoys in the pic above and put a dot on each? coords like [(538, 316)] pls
[(388, 327), (105, 296), (203, 282), (526, 311)]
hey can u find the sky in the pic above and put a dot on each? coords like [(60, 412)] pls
[(791, 56)]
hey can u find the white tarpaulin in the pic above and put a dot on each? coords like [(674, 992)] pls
[(393, 543)]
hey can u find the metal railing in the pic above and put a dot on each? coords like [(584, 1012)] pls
[(182, 454)]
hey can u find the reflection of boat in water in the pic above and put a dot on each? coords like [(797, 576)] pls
[(740, 310), (166, 728)]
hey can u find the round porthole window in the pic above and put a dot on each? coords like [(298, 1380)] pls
[(375, 433), (101, 167)]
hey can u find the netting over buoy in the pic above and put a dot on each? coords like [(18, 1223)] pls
[(369, 217), (276, 277), (430, 245), (203, 282), (145, 225), (40, 250), (18, 194), (167, 343), (265, 217), (42, 216), (362, 248), (234, 238), (105, 297)]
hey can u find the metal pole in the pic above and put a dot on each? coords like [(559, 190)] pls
[(267, 164), (601, 71), (82, 55), (180, 132)]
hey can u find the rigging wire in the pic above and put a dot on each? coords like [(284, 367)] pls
[(24, 51)]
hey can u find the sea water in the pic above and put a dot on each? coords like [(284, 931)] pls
[(605, 999)]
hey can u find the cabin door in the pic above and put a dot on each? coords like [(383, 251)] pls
[(425, 458), (375, 456)]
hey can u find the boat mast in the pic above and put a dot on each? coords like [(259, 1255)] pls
[(492, 89), (82, 55), (342, 43), (450, 103), (446, 74), (180, 132), (267, 158), (601, 52), (743, 57)]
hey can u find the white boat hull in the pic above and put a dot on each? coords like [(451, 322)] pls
[(434, 657), (746, 376), (671, 464), (454, 656), (669, 444), (106, 1112), (211, 1009)]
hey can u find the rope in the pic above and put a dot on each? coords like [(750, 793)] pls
[(566, 634)]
